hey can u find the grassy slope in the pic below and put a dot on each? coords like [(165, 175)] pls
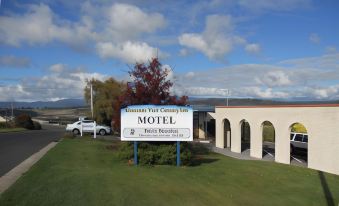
[(84, 172), (16, 129)]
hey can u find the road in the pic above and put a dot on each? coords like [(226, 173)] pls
[(15, 147)]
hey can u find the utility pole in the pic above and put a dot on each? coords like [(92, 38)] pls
[(227, 94), (92, 100), (12, 110)]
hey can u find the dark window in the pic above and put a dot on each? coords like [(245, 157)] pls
[(86, 121), (79, 123), (298, 137), (292, 136), (305, 138)]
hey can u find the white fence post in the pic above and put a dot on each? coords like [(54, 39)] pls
[(81, 128), (95, 129)]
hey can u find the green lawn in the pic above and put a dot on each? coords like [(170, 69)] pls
[(16, 129), (85, 172)]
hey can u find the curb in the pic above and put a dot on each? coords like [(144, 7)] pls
[(12, 176)]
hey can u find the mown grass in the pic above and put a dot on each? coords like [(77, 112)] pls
[(88, 172), (15, 129)]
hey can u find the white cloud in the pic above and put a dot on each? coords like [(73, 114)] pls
[(274, 79), (57, 68), (183, 52), (39, 26), (128, 21), (206, 91), (60, 84), (331, 92), (325, 61), (253, 48), (258, 92), (309, 77), (190, 75), (14, 62), (314, 38), (130, 52), (170, 73), (331, 49), (267, 5), (114, 30), (216, 40)]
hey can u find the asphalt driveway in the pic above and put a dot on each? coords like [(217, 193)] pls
[(15, 147)]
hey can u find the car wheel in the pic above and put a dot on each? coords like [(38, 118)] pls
[(102, 132), (76, 131)]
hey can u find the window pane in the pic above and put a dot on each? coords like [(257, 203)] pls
[(291, 136), (305, 138), (298, 137)]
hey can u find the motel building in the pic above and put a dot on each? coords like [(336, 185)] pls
[(239, 129)]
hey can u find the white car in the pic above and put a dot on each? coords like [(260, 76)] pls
[(298, 141), (87, 126)]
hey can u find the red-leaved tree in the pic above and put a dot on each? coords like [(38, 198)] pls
[(149, 86)]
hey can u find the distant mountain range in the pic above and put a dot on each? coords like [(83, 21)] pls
[(253, 102), (64, 103), (75, 103)]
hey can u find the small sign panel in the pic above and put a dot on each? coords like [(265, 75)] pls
[(157, 123)]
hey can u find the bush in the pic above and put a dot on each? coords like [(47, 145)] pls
[(25, 121), (126, 151), (37, 125), (157, 153), (3, 125)]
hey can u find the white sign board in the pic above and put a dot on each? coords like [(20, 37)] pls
[(157, 123)]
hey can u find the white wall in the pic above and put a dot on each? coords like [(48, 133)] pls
[(321, 122)]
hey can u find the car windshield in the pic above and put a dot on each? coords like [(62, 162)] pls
[(298, 137)]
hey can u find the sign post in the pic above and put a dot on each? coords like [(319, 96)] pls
[(156, 123)]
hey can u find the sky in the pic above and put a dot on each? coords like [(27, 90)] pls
[(269, 49)]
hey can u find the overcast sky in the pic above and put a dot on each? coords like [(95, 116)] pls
[(267, 49)]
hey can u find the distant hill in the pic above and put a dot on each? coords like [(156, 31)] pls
[(252, 102), (76, 103), (64, 103)]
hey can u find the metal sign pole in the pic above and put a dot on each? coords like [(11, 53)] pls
[(178, 153), (135, 152)]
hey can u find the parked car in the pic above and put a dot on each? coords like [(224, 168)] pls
[(298, 141), (87, 126)]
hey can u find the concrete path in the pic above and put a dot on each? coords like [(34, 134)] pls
[(12, 176), (227, 152), (245, 155)]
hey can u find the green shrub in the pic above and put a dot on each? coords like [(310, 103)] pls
[(156, 153), (37, 125), (147, 157), (25, 121), (125, 151), (9, 124), (3, 125)]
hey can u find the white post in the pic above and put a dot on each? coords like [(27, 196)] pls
[(95, 130), (92, 100), (81, 128)]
